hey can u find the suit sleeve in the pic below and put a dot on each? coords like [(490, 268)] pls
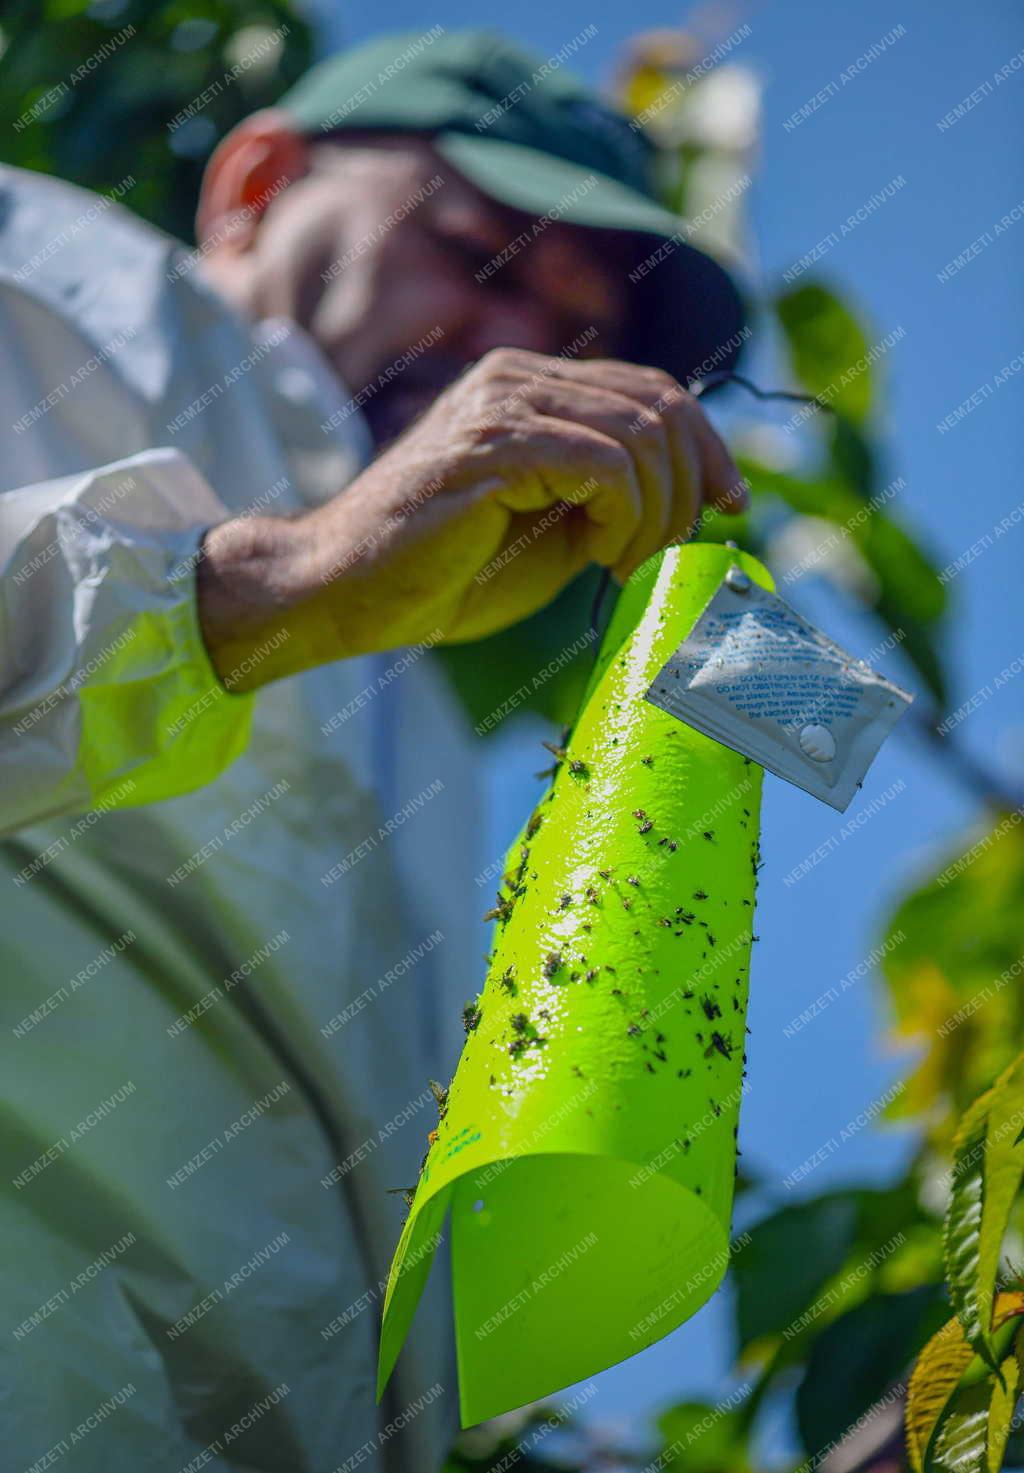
[(108, 698)]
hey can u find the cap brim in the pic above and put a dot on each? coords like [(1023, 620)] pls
[(688, 315)]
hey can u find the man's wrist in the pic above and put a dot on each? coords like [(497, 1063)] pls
[(257, 595)]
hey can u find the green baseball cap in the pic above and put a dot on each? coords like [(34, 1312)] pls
[(531, 136)]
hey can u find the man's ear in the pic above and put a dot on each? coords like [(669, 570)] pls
[(257, 159)]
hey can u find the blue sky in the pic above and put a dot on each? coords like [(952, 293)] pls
[(958, 335)]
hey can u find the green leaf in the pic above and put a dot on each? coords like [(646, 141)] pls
[(826, 346), (956, 1415), (806, 1263), (718, 526), (520, 666), (790, 1258), (908, 577), (962, 1227), (974, 1426), (1000, 1415), (953, 966), (935, 1377), (960, 1444), (699, 1436), (114, 122), (858, 1357), (987, 1168), (1013, 1450), (852, 457)]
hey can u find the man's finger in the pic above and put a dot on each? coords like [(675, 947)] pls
[(643, 438), (576, 471), (724, 486), (718, 481)]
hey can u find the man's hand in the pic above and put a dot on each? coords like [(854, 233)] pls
[(520, 474)]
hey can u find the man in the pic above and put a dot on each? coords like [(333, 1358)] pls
[(240, 924)]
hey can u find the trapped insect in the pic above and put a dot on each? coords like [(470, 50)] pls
[(408, 1193), (502, 908)]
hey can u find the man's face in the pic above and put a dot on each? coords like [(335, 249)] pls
[(382, 248)]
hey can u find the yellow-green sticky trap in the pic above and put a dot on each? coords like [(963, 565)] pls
[(587, 1151)]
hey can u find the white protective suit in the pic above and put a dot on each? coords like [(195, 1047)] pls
[(237, 930)]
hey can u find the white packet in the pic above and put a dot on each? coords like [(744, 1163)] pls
[(754, 675)]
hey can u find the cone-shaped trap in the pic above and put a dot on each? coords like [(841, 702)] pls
[(588, 1149)]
